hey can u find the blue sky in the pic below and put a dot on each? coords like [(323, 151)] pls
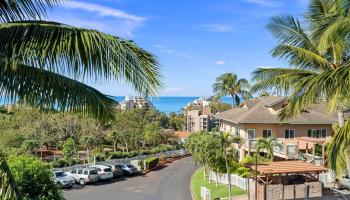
[(195, 40)]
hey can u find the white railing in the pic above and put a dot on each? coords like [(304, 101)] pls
[(309, 158), (291, 148), (181, 152), (251, 144), (235, 180)]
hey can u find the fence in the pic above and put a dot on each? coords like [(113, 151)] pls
[(235, 180), (181, 152)]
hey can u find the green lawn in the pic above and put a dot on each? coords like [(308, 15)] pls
[(216, 192)]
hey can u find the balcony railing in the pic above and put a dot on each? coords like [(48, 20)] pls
[(288, 151)]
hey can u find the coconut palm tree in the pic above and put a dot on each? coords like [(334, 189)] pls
[(114, 137), (87, 143), (268, 144), (319, 55), (43, 63), (228, 84)]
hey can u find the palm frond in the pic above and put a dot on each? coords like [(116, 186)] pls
[(300, 57), (8, 188), (24, 9), (80, 53), (45, 89), (288, 30), (280, 79), (339, 150)]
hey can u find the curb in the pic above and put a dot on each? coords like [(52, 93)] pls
[(191, 185)]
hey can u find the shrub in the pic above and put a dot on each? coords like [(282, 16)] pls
[(99, 157), (33, 178), (151, 162), (60, 163), (115, 155)]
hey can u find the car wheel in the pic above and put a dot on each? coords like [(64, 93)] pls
[(337, 186), (59, 185), (82, 181)]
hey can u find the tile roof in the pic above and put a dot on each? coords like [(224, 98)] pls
[(288, 167), (258, 110), (182, 134)]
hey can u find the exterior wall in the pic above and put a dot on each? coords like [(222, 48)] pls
[(197, 122)]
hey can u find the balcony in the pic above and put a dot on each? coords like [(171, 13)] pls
[(286, 151)]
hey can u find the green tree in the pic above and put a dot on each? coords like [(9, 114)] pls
[(115, 138), (267, 144), (228, 84), (216, 105), (153, 134), (319, 55), (42, 62), (177, 121), (69, 149), (87, 142), (33, 178), (29, 146)]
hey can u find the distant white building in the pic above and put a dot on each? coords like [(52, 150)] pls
[(200, 102), (132, 102)]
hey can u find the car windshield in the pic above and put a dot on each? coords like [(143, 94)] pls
[(107, 170), (130, 166), (60, 174)]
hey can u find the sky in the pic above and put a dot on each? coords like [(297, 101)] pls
[(194, 40)]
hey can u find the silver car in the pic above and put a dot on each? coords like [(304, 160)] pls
[(343, 183), (61, 179), (128, 169)]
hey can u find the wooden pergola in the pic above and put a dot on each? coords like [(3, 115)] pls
[(285, 168), (313, 142)]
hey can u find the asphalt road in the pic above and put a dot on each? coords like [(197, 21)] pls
[(172, 182)]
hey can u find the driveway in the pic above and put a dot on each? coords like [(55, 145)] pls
[(171, 182)]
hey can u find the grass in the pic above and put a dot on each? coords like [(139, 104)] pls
[(216, 192)]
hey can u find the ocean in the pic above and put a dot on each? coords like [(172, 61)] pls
[(172, 104)]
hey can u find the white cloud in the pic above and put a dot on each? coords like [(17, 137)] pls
[(102, 10), (221, 28), (164, 49), (265, 3), (265, 67), (220, 62)]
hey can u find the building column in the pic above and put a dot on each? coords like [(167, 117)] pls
[(306, 150)]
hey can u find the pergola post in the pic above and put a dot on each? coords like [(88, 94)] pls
[(323, 154), (313, 152), (306, 151)]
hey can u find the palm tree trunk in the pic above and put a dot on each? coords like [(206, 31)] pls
[(114, 147), (229, 177), (216, 179), (233, 100), (88, 155), (341, 119)]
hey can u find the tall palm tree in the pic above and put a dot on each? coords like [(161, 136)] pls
[(114, 137), (320, 56), (228, 84), (42, 64), (267, 144)]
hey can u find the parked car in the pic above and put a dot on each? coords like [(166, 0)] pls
[(343, 183), (61, 179), (104, 171), (84, 175), (128, 169), (116, 169)]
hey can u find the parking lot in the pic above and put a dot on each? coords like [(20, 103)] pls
[(171, 182)]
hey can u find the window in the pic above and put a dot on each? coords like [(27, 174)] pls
[(86, 172), (317, 133), (267, 133), (288, 133), (237, 131), (251, 133), (74, 171), (80, 171)]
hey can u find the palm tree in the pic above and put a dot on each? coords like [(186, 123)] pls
[(42, 64), (268, 144), (319, 56), (229, 84), (87, 142), (114, 137)]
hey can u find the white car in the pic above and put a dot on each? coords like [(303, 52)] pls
[(104, 171), (84, 175), (343, 183)]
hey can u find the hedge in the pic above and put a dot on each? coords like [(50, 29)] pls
[(151, 162)]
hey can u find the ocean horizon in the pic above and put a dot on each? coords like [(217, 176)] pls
[(168, 104)]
